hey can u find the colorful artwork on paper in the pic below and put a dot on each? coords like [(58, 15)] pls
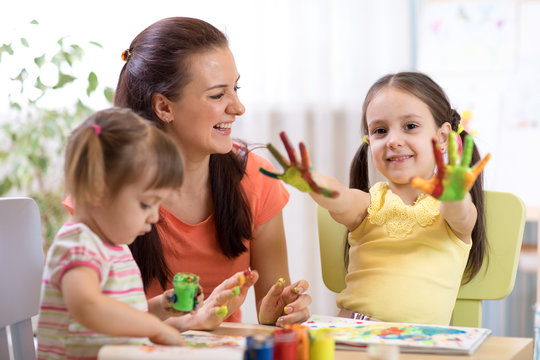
[(410, 337), (198, 341)]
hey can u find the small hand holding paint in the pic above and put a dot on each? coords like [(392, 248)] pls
[(295, 174), (453, 180), (186, 291)]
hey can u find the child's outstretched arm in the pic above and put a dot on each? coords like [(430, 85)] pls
[(451, 185), (347, 206), (103, 314)]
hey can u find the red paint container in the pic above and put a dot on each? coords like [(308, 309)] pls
[(284, 344)]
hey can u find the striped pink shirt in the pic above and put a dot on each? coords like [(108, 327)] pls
[(59, 335)]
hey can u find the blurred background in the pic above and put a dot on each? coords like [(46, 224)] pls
[(305, 67)]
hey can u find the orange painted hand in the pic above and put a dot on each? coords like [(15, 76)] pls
[(295, 174), (453, 180)]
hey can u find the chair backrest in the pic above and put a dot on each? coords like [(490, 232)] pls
[(505, 221), (21, 267)]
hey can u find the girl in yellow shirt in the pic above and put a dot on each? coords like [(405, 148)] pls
[(413, 236)]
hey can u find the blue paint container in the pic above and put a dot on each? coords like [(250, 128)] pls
[(259, 347)]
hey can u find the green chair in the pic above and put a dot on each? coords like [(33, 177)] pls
[(505, 221)]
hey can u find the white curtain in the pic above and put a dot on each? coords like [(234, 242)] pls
[(305, 67)]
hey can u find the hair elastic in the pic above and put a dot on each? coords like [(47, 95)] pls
[(126, 54), (460, 128), (365, 139), (97, 129)]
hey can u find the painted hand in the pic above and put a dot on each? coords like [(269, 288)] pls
[(285, 305), (453, 180), (295, 174)]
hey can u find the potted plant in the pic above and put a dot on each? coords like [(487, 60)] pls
[(34, 133)]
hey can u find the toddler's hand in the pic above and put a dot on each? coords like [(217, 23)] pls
[(167, 335), (285, 305), (452, 181), (297, 175)]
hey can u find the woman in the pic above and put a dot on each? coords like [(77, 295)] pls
[(180, 74)]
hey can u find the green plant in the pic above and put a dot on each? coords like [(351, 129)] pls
[(34, 133)]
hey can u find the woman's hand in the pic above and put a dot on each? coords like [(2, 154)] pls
[(285, 305), (297, 175), (453, 180), (224, 300)]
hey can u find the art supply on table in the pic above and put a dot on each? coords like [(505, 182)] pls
[(259, 347), (321, 345), (302, 341), (186, 290), (351, 334), (284, 344)]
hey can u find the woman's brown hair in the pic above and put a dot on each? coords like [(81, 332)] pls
[(158, 62)]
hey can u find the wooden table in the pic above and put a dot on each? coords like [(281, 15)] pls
[(496, 348)]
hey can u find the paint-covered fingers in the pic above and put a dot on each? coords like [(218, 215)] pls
[(427, 186), (467, 151), (475, 171), (289, 148), (296, 303), (439, 158), (272, 304), (296, 311)]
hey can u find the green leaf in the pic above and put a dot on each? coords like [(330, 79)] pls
[(39, 85), (63, 79), (109, 94), (34, 22), (5, 186), (96, 44), (39, 61), (23, 74), (15, 106), (7, 48), (92, 83), (24, 42)]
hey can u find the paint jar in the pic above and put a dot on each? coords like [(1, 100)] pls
[(321, 345), (302, 341), (186, 289), (284, 344), (259, 347)]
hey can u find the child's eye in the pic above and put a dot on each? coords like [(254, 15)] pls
[(379, 131), (145, 206), (411, 126), (236, 88)]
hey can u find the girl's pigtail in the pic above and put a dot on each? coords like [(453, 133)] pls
[(84, 166), (359, 174), (479, 242)]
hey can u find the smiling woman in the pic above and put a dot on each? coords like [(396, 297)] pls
[(181, 74)]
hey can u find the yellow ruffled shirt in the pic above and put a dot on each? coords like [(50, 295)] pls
[(405, 263)]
